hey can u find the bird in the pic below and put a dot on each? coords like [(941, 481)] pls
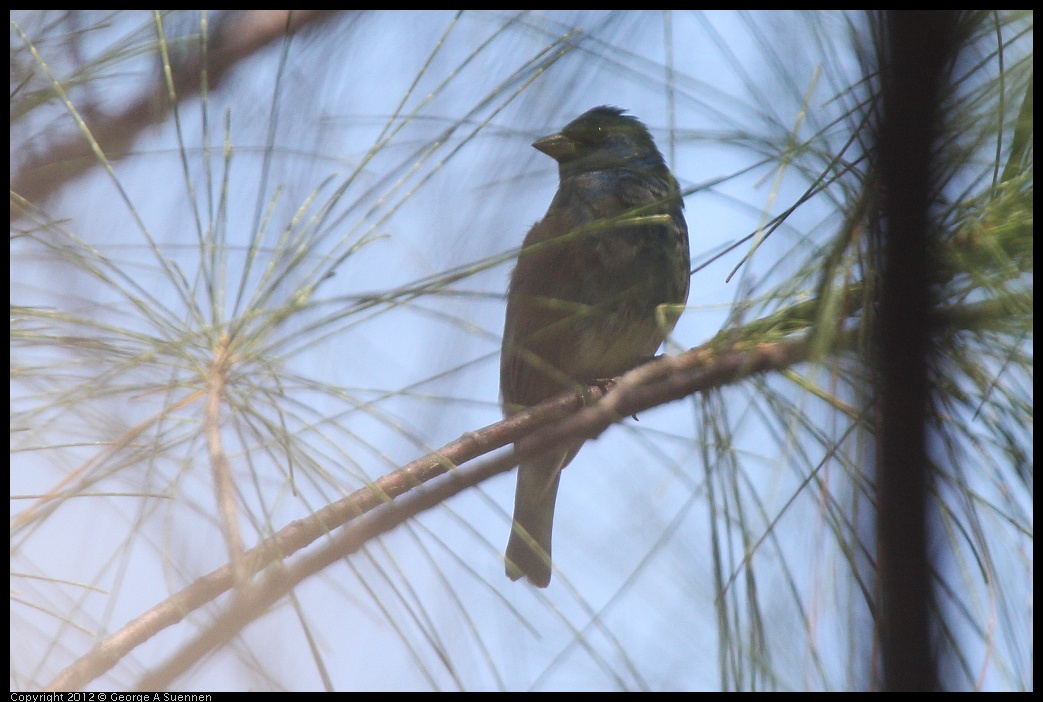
[(600, 281)]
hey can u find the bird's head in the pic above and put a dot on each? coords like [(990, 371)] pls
[(602, 138)]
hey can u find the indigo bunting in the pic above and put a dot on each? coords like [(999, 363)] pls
[(583, 299)]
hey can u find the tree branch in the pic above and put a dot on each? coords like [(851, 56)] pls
[(242, 36), (374, 509)]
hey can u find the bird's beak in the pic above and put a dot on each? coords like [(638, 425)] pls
[(558, 146)]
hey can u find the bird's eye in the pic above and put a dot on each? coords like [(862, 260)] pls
[(596, 134)]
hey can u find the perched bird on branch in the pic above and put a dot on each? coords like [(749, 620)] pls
[(600, 282)]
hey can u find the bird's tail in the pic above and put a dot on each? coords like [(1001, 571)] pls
[(528, 549)]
